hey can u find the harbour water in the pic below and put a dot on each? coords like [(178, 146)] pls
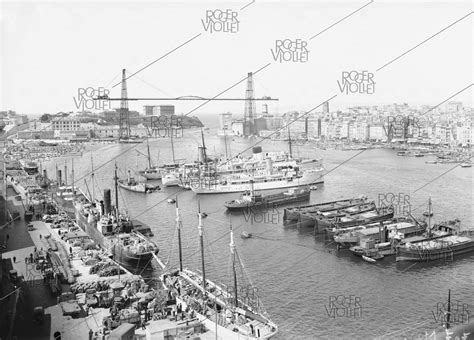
[(299, 275)]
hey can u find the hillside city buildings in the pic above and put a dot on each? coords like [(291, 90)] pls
[(450, 124)]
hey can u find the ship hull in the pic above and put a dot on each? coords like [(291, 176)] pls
[(308, 178), (273, 201), (134, 188), (151, 175), (170, 180), (322, 225), (263, 329), (446, 253), (119, 253), (293, 214)]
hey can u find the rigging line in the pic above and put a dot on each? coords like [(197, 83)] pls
[(172, 248), (153, 86), (431, 37), (107, 162), (4, 297), (244, 269), (159, 202), (340, 20), (277, 130), (213, 260), (418, 207), (137, 144), (444, 101), (444, 173), (227, 89), (110, 82), (413, 326), (409, 267), (163, 56), (215, 240)]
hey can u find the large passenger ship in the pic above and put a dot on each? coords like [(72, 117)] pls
[(261, 171)]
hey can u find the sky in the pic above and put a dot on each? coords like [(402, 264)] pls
[(50, 50)]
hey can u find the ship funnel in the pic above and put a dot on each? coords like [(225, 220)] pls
[(59, 178), (269, 165), (202, 154), (257, 152), (107, 201), (102, 209)]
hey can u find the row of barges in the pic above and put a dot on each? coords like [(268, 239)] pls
[(373, 232)]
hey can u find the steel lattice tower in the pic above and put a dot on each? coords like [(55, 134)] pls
[(249, 113), (124, 131)]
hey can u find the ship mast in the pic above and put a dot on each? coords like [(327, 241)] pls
[(232, 253), (65, 173), (72, 174), (289, 142), (172, 146), (92, 179), (225, 143), (429, 217), (204, 148), (201, 237), (178, 226), (148, 149), (116, 194), (448, 314)]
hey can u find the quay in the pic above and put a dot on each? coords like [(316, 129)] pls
[(32, 305)]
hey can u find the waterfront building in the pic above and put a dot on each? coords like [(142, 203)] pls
[(325, 107), (163, 110), (359, 131), (109, 131), (313, 127), (464, 133), (238, 127), (454, 107), (377, 132), (66, 124), (148, 110)]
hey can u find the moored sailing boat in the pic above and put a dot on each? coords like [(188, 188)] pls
[(132, 184), (152, 172), (214, 305)]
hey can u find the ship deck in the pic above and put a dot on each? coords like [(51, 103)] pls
[(76, 262)]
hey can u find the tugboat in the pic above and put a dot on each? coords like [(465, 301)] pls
[(132, 185)]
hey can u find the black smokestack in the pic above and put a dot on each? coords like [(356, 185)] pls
[(60, 180), (107, 201)]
